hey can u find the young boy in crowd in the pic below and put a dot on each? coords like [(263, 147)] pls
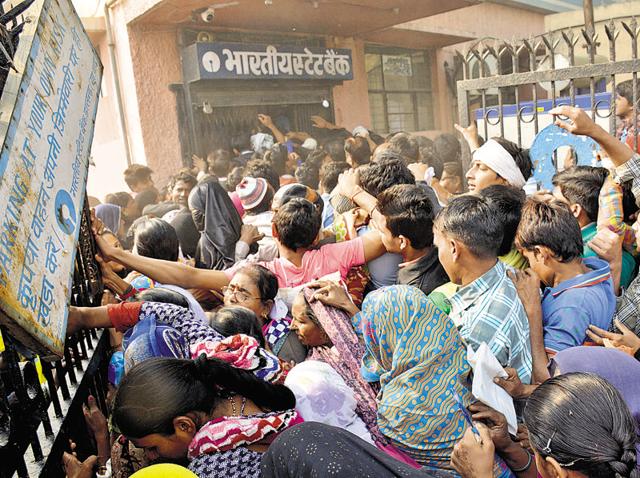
[(296, 226), (486, 307), (329, 174), (375, 178), (507, 202), (579, 187), (579, 292), (138, 178), (404, 218), (627, 169)]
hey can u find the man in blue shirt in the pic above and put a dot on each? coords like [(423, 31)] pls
[(579, 291)]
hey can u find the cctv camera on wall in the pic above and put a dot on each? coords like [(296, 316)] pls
[(208, 15)]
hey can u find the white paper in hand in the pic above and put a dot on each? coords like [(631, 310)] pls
[(485, 368)]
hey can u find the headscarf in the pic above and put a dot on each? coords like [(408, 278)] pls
[(619, 369), (243, 352), (345, 358), (323, 396), (228, 433), (417, 355), (194, 305), (109, 214), (219, 224), (501, 162)]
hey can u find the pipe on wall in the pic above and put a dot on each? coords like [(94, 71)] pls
[(116, 79)]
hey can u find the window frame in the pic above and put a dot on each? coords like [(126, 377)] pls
[(413, 92)]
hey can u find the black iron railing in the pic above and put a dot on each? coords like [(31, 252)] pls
[(37, 420)]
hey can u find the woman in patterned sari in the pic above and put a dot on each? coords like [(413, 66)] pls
[(416, 354), (219, 418), (413, 351)]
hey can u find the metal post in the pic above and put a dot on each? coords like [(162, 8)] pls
[(194, 140), (589, 24), (116, 81)]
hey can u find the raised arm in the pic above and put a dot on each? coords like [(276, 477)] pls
[(528, 285), (268, 122), (164, 272), (580, 123)]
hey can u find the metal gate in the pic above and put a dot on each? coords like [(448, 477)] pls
[(508, 87), (37, 420)]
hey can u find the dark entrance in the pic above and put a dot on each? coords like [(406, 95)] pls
[(222, 110)]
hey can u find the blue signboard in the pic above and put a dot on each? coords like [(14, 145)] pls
[(549, 140), (251, 61)]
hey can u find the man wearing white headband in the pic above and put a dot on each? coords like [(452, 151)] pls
[(493, 164)]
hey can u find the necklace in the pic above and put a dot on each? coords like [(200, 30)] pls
[(233, 406)]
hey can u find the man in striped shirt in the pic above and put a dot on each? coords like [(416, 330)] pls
[(486, 307)]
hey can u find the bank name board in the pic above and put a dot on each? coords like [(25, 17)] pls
[(254, 61)]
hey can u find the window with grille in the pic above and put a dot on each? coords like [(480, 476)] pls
[(400, 95)]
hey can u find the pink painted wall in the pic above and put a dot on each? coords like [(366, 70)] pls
[(156, 64), (351, 99)]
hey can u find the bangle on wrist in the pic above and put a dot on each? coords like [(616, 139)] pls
[(527, 466), (129, 292), (358, 191)]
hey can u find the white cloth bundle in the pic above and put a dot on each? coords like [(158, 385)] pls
[(485, 368)]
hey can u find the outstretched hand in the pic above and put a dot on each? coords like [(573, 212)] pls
[(320, 122), (578, 122), (94, 418), (527, 284), (75, 468), (250, 234), (512, 384), (107, 251), (470, 134), (265, 120), (627, 341), (473, 458), (608, 245), (495, 421), (348, 182), (199, 163)]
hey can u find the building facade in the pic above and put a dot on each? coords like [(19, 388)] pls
[(184, 77)]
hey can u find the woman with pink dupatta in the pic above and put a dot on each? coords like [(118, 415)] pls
[(328, 333)]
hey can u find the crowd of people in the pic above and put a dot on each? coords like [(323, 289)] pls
[(306, 304)]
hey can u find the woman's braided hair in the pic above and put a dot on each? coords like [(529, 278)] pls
[(582, 421), (157, 390)]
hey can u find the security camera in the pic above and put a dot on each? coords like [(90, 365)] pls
[(208, 15)]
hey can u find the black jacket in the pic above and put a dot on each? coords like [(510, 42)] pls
[(425, 273)]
